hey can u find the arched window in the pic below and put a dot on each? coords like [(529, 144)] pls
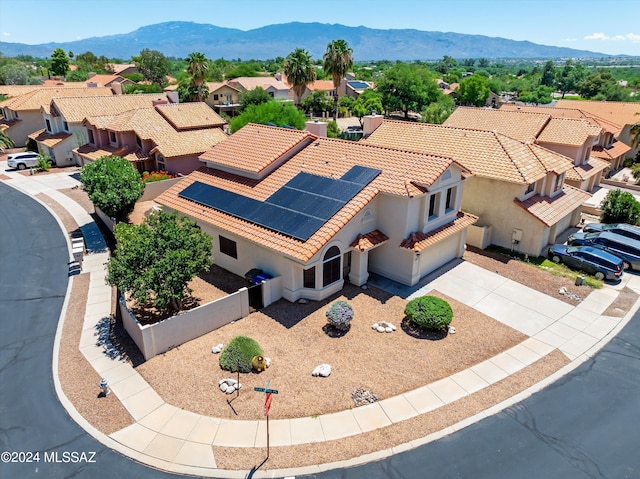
[(331, 266)]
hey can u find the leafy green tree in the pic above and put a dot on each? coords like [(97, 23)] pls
[(333, 130), (142, 88), (317, 103), (439, 111), (275, 112), (16, 74), (601, 85), (198, 66), (337, 61), (407, 88), (153, 66), (548, 74), (567, 78), (447, 63), (368, 103), (156, 260), (483, 63), (473, 90), (5, 141), (300, 71), (59, 62), (113, 185), (253, 97), (635, 131), (44, 162), (620, 207)]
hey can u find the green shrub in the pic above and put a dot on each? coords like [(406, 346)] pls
[(429, 312), (44, 163), (237, 355), (340, 315)]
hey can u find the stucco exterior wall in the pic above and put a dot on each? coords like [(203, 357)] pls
[(30, 122)]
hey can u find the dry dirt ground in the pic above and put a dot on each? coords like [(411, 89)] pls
[(294, 336)]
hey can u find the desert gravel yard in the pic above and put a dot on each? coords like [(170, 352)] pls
[(295, 338)]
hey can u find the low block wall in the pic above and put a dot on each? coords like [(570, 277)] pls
[(156, 188), (479, 236), (154, 339), (108, 222)]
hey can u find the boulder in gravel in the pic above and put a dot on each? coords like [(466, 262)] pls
[(323, 370), (228, 386), (216, 349), (383, 327)]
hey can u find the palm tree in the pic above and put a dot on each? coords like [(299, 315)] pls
[(5, 141), (198, 66), (635, 131), (338, 59), (299, 70)]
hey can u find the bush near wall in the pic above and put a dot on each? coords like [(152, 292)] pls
[(429, 312)]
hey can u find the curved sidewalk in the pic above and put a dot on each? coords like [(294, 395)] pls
[(170, 438)]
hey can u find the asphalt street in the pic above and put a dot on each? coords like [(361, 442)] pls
[(583, 426)]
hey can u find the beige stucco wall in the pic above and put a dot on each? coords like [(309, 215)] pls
[(30, 122), (222, 93)]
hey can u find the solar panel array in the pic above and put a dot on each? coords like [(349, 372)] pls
[(358, 85), (298, 209)]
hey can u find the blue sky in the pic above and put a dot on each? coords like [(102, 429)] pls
[(607, 26)]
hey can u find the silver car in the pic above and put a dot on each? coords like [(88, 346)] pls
[(21, 161)]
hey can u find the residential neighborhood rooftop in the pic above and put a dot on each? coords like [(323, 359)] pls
[(76, 109), (35, 99)]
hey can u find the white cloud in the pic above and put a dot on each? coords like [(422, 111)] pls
[(6, 34), (632, 37)]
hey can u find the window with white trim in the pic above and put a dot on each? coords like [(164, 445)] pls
[(331, 266)]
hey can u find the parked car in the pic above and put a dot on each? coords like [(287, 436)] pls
[(623, 229), (25, 159), (591, 260), (624, 248)]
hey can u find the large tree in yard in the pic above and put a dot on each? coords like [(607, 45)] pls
[(473, 90), (407, 88), (154, 261), (620, 207), (59, 62), (299, 70), (273, 111), (153, 66), (337, 61), (113, 185)]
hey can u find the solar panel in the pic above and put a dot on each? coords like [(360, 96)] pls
[(358, 85), (298, 209)]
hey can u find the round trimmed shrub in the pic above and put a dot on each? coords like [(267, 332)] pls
[(429, 312), (340, 315), (238, 353)]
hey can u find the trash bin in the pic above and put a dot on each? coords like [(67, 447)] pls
[(251, 275), (259, 278)]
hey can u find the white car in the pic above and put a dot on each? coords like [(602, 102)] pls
[(26, 159)]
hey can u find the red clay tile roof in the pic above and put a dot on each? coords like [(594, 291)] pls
[(568, 131), (93, 153), (41, 98), (617, 149), (551, 210), (404, 173), (47, 138), (364, 242), (486, 153), (191, 115), (255, 148), (620, 112), (418, 241), (522, 126), (583, 172)]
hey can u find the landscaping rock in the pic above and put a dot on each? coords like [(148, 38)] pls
[(383, 327), (452, 330), (323, 370), (229, 386), (361, 397), (216, 349)]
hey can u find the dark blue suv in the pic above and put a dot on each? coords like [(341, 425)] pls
[(623, 247), (591, 260)]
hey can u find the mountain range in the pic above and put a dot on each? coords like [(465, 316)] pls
[(178, 39)]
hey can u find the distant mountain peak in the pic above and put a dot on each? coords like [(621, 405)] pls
[(179, 38)]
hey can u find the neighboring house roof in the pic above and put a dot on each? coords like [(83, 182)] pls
[(48, 139), (370, 240), (622, 113), (254, 148), (487, 154), (550, 210), (215, 86), (616, 150), (185, 116), (118, 68), (566, 131), (76, 109), (325, 85), (608, 125), (107, 80), (91, 152), (587, 170), (418, 241), (402, 173), (36, 99), (250, 83), (151, 124), (519, 125)]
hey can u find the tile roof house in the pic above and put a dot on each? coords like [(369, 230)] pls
[(278, 89), (518, 191), (107, 80), (619, 112), (63, 117), (352, 87), (608, 147), (314, 211), (167, 137), (22, 113), (319, 85), (571, 137), (223, 97)]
